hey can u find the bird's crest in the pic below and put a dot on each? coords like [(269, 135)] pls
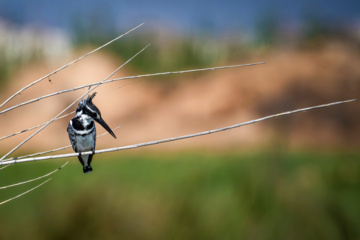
[(84, 102)]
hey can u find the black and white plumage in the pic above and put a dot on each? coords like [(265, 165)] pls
[(82, 131)]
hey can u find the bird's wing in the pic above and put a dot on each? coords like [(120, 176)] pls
[(71, 133)]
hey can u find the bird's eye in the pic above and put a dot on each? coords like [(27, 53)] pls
[(90, 113), (93, 115)]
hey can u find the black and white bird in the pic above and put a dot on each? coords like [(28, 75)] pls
[(82, 132)]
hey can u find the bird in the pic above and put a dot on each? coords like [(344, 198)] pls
[(82, 131)]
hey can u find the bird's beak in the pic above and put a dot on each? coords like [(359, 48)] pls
[(103, 123)]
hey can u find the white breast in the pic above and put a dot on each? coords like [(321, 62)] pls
[(84, 143)]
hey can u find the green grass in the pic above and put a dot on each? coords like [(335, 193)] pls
[(189, 195)]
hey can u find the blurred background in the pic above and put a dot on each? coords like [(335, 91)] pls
[(296, 177)]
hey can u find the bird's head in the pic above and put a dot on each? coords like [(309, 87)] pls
[(89, 111)]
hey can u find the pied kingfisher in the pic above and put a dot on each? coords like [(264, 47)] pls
[(82, 132)]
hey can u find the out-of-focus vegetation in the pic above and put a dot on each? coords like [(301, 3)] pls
[(167, 54), (169, 50), (190, 195), (20, 46)]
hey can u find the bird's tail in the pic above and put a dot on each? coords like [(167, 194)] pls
[(87, 169)]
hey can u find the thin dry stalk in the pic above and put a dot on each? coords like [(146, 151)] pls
[(125, 78), (178, 138), (10, 199), (53, 119), (34, 179), (66, 65), (54, 150), (32, 128)]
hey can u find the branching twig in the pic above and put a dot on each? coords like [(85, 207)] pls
[(178, 138), (34, 179), (53, 119), (126, 78), (66, 65)]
